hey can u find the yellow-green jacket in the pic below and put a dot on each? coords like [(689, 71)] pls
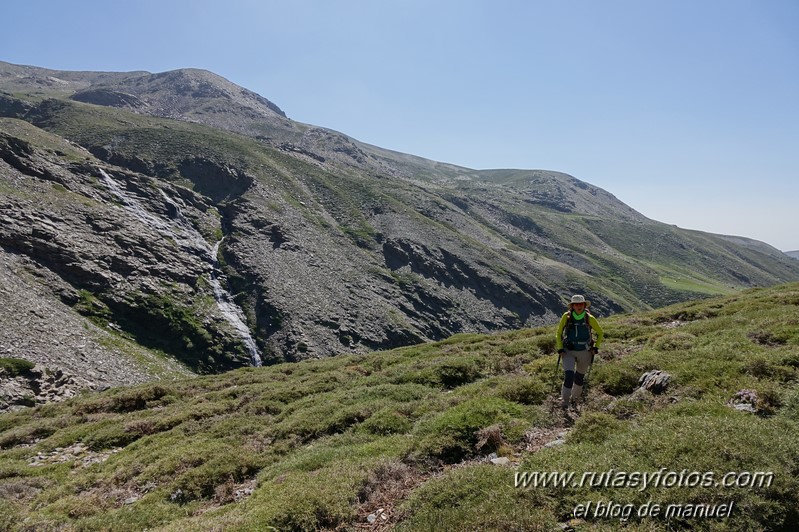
[(595, 328)]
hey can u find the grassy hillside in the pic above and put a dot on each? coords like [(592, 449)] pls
[(403, 439)]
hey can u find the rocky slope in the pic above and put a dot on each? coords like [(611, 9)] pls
[(116, 186), (69, 233)]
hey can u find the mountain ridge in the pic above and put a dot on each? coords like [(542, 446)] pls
[(331, 245)]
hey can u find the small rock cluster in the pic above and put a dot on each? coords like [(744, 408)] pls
[(379, 514), (37, 386), (78, 453), (745, 401)]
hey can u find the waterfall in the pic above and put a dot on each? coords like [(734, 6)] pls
[(231, 311), (186, 236)]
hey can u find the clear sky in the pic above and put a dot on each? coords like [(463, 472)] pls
[(686, 110)]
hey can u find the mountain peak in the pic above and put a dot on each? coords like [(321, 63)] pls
[(331, 245), (187, 94), (191, 94)]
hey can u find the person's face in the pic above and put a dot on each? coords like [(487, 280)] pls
[(578, 307)]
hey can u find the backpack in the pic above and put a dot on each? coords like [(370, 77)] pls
[(577, 334)]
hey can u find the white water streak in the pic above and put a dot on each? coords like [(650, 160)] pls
[(231, 311), (187, 237)]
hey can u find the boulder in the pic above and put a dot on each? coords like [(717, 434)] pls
[(655, 381)]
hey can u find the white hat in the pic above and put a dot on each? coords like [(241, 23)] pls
[(579, 299)]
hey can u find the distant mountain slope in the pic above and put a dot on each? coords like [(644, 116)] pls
[(330, 245), (794, 254)]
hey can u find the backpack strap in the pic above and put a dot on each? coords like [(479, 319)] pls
[(590, 329), (568, 315)]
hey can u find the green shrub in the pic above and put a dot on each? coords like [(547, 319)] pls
[(453, 434), (522, 389), (530, 346), (595, 427), (224, 465), (790, 360), (675, 341), (480, 497), (452, 374), (9, 517), (790, 407), (124, 399), (546, 343), (28, 433), (94, 309), (387, 421), (628, 406), (544, 367), (615, 379), (16, 367), (108, 434), (322, 418)]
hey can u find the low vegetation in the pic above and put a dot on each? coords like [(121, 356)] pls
[(404, 438), (14, 367)]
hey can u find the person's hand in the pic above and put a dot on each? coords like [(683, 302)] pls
[(595, 350), (561, 351)]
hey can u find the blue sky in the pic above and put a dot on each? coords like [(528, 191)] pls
[(686, 110)]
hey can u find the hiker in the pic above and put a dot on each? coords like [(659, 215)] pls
[(576, 347)]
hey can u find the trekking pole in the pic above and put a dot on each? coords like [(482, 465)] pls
[(555, 376)]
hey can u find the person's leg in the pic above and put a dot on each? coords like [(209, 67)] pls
[(568, 377), (583, 362)]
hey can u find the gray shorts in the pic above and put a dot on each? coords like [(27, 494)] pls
[(582, 359)]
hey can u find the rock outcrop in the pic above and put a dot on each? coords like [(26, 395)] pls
[(38, 386), (125, 269)]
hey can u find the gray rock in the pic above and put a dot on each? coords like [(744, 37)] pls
[(379, 514), (655, 381)]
